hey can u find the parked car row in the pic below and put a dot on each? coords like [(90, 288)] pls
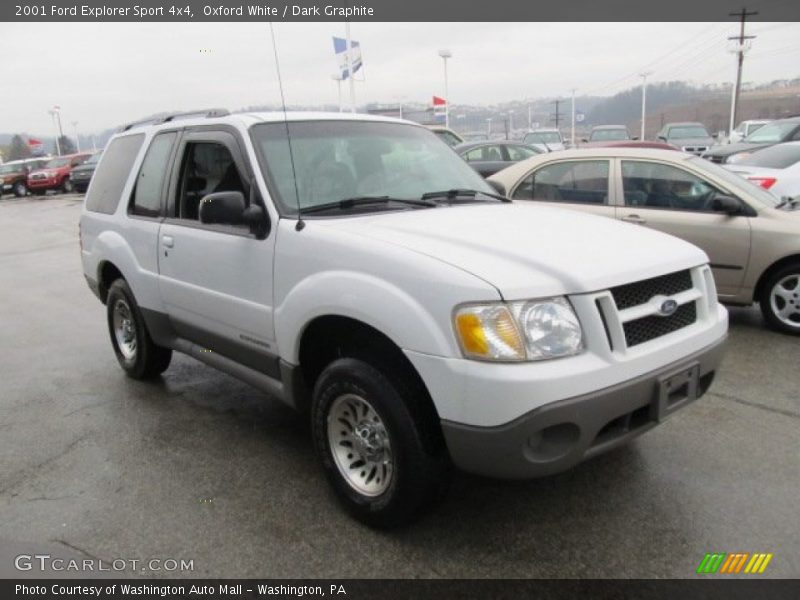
[(38, 175)]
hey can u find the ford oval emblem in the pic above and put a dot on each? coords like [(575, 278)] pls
[(668, 308)]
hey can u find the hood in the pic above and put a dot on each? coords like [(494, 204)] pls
[(728, 149), (527, 250)]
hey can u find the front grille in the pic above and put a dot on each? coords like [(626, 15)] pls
[(640, 292), (653, 326)]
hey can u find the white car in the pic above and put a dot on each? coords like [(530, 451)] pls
[(359, 270), (544, 139), (745, 128), (775, 168)]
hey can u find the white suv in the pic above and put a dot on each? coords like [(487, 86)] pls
[(356, 268)]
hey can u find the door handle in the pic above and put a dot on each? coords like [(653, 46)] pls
[(634, 219), (168, 241)]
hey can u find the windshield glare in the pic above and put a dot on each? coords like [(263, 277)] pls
[(771, 132), (336, 160), (678, 133), (756, 192)]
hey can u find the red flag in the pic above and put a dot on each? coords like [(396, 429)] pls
[(439, 101), (34, 142)]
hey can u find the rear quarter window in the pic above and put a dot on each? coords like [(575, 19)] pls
[(112, 173)]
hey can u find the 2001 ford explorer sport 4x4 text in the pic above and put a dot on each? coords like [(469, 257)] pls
[(358, 269)]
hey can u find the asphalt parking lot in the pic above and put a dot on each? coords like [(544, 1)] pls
[(200, 466)]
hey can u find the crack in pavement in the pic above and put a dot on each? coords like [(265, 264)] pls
[(772, 409), (20, 475), (77, 549)]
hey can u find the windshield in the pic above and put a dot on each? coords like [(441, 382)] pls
[(57, 162), (754, 191), (607, 135), (547, 137), (771, 133), (12, 168), (774, 157), (94, 159), (338, 160), (689, 131)]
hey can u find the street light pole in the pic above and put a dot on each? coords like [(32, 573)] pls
[(53, 112), (489, 127), (77, 138), (350, 68), (644, 99), (445, 54)]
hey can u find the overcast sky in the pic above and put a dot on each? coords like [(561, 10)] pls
[(104, 74)]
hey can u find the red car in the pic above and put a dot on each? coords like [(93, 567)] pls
[(55, 174)]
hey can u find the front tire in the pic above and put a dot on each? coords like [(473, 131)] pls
[(780, 301), (67, 187), (20, 189), (136, 352), (371, 442)]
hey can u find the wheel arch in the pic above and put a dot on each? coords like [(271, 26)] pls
[(758, 292)]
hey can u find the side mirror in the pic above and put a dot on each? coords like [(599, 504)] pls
[(498, 187), (726, 204), (715, 135), (225, 208), (662, 138)]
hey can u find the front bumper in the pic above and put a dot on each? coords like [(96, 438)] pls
[(559, 435)]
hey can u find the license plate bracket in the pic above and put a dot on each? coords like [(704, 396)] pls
[(675, 390)]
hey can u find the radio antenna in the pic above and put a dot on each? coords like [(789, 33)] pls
[(300, 224)]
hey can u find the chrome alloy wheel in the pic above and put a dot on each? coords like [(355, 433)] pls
[(784, 299), (124, 329), (360, 445)]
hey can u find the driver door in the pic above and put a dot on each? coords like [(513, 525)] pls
[(675, 201), (216, 280)]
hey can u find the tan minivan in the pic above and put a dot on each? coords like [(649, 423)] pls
[(751, 237)]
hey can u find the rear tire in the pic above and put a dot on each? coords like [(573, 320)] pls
[(371, 439), (20, 189), (136, 352), (780, 300), (67, 187)]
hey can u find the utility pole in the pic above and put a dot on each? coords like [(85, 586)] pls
[(644, 100), (572, 136), (740, 49), (338, 79), (557, 116), (529, 117)]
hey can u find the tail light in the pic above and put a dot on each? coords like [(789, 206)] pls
[(764, 182)]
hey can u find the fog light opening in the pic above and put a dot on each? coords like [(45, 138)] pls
[(552, 443)]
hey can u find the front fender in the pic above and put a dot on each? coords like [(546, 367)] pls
[(365, 298)]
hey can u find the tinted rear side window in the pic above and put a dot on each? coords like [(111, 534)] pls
[(149, 183), (111, 175)]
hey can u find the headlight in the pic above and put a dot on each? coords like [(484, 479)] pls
[(735, 158), (517, 331)]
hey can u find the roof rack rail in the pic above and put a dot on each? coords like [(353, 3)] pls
[(208, 113)]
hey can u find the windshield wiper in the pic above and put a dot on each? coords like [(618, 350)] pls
[(462, 195), (348, 203)]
